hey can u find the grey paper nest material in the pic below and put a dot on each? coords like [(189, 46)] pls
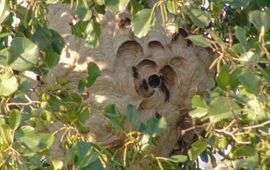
[(155, 73)]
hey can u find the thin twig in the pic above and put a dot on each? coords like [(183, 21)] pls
[(230, 125), (21, 104), (223, 131), (184, 131), (257, 126)]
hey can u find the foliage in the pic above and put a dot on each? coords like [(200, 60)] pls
[(235, 114)]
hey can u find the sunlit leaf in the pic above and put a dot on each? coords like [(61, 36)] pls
[(8, 84), (15, 119), (24, 54), (249, 58), (199, 18), (100, 2), (4, 10), (222, 108), (250, 81), (135, 6), (244, 151), (142, 22), (52, 1), (200, 107), (83, 10), (199, 40), (171, 6), (35, 142), (92, 34), (196, 149), (259, 19), (57, 164), (116, 5), (178, 158), (4, 53)]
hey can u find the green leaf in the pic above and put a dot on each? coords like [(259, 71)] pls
[(57, 164), (132, 114), (237, 3), (81, 85), (52, 1), (266, 74), (57, 42), (100, 2), (196, 149), (135, 6), (238, 48), (259, 19), (116, 5), (262, 3), (204, 156), (24, 54), (155, 127), (51, 57), (92, 34), (79, 29), (15, 119), (171, 6), (6, 34), (93, 74), (249, 58), (178, 158), (200, 107), (199, 40), (142, 22), (4, 10), (4, 53), (222, 108), (8, 84), (168, 165), (35, 142), (89, 30), (217, 38), (247, 163), (234, 78), (240, 34), (111, 112), (42, 37), (223, 76), (83, 157), (250, 81), (244, 151), (83, 10), (199, 18)]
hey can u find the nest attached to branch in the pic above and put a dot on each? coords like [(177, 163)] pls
[(158, 73)]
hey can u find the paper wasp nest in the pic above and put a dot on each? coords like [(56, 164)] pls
[(158, 73)]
